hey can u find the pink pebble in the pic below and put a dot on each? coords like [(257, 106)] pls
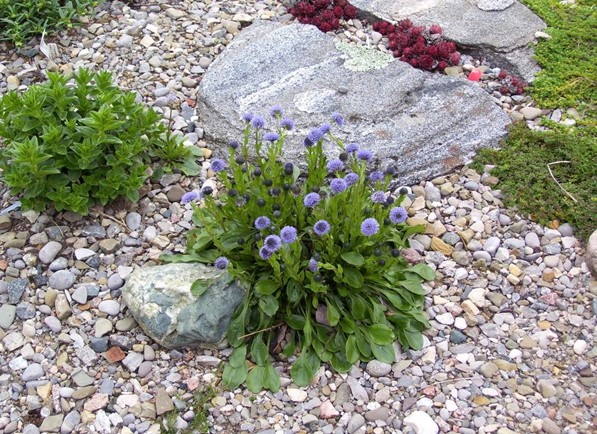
[(475, 75)]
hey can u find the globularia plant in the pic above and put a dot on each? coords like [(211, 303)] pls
[(320, 250), (78, 139)]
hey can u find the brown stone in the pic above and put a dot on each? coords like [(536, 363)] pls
[(439, 246), (97, 401), (114, 354)]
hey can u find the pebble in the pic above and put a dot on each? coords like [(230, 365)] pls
[(49, 252), (7, 315), (109, 307), (421, 422), (32, 372), (62, 279), (375, 368)]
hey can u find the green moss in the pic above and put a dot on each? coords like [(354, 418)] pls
[(567, 79), (522, 169), (569, 70), (199, 424)]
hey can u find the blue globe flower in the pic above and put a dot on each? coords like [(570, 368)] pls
[(312, 266), (369, 227), (351, 178), (287, 124), (378, 197), (264, 253), (217, 165), (321, 228), (338, 185), (272, 243), (221, 263), (364, 154), (288, 234), (398, 215), (189, 197), (258, 122), (335, 165), (262, 223), (337, 117), (352, 147), (271, 137), (311, 200)]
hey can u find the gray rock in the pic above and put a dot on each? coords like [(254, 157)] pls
[(109, 307), (532, 240), (115, 282), (70, 422), (30, 429), (500, 34), (32, 372), (300, 69), (592, 253), (133, 219), (133, 360), (566, 230), (375, 368), (53, 323), (160, 299), (62, 279), (95, 231), (99, 345), (51, 423), (7, 315), (491, 245), (49, 251), (25, 310), (80, 294), (16, 288)]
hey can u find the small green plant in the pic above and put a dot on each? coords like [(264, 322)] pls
[(320, 251), (21, 20), (199, 424), (72, 144)]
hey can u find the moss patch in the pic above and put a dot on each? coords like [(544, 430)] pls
[(568, 79)]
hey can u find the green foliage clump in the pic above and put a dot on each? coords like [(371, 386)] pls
[(569, 70), (522, 167), (75, 144), (21, 20), (199, 424), (320, 251)]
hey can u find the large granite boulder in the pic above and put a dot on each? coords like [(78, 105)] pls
[(160, 299), (423, 124), (592, 253), (500, 30)]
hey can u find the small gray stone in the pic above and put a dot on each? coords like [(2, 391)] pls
[(70, 422), (102, 327), (33, 372), (58, 264), (457, 337), (566, 230), (115, 282), (95, 231), (53, 323), (81, 378), (356, 421), (49, 251), (51, 423), (25, 310), (7, 315), (62, 279), (144, 369), (125, 41), (552, 249), (16, 288), (80, 294), (532, 240), (381, 413), (491, 245), (133, 221), (99, 345), (375, 368), (83, 254), (358, 391), (109, 307), (132, 361), (30, 429)]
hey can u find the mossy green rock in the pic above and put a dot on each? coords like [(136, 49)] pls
[(161, 301)]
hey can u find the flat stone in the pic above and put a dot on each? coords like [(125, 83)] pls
[(15, 289), (375, 368), (160, 300), (62, 279), (163, 402), (488, 369), (296, 395), (114, 354), (97, 401), (133, 219), (7, 315), (84, 392), (80, 294), (132, 361), (83, 254), (33, 372), (531, 113), (421, 422), (48, 252), (302, 69), (355, 422), (51, 423), (109, 307), (102, 327), (82, 379)]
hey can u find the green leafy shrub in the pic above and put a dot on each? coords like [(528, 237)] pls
[(320, 250), (21, 20), (75, 144)]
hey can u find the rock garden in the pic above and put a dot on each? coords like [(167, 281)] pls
[(270, 217)]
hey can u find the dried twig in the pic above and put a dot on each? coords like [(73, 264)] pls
[(259, 331), (114, 219), (556, 181)]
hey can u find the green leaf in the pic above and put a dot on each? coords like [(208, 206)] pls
[(301, 371), (381, 334), (293, 291), (269, 305), (271, 379), (353, 258), (189, 167), (238, 356), (358, 308), (353, 277), (340, 363), (234, 377), (363, 344), (200, 240), (332, 314), (236, 329), (423, 270), (414, 286), (351, 349), (256, 379), (347, 325), (259, 351), (414, 339), (384, 353), (266, 287), (295, 321), (199, 286)]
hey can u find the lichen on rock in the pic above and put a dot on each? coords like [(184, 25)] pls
[(363, 58)]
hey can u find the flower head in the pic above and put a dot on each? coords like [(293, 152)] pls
[(189, 197), (376, 176), (217, 165), (276, 111), (262, 223), (307, 142), (378, 197), (258, 122), (247, 117), (272, 243), (351, 178), (398, 215), (321, 228), (312, 266), (287, 124), (288, 234), (311, 200), (335, 165), (338, 185), (364, 154), (325, 128), (265, 253), (369, 227), (337, 117), (315, 135), (271, 137), (221, 263), (233, 144), (352, 147)]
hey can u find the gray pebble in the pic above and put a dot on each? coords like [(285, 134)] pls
[(25, 310), (53, 323), (133, 221), (491, 245), (7, 315), (58, 264), (62, 279), (95, 231), (99, 345), (49, 251), (33, 372), (115, 282), (109, 307), (16, 288)]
